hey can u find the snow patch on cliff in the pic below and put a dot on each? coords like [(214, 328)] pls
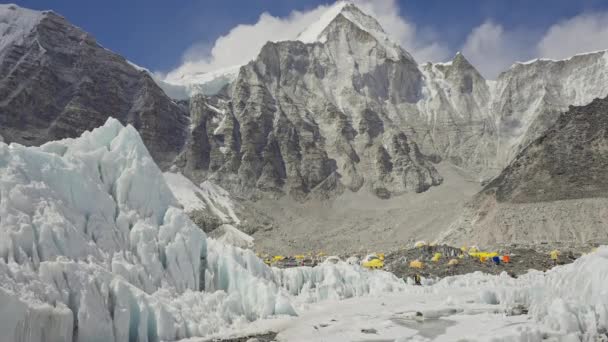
[(16, 23), (207, 196)]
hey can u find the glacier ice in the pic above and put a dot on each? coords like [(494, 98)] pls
[(569, 302), (94, 247)]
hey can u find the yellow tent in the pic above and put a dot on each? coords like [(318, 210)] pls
[(373, 264), (320, 254), (420, 244), (416, 264), (299, 257), (436, 257), (487, 255), (453, 262), (554, 254)]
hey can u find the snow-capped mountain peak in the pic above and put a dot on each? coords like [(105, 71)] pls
[(343, 15), (16, 23), (318, 31), (314, 31)]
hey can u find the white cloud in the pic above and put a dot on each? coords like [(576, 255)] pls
[(243, 42), (492, 49), (583, 33)]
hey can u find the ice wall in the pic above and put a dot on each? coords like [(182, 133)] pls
[(94, 248), (568, 303), (572, 300), (88, 225)]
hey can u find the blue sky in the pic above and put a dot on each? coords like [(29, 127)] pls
[(161, 34)]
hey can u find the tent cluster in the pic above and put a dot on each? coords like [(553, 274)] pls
[(292, 261), (371, 261), (483, 256), (452, 255)]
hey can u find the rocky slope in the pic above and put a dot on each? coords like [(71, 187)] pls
[(56, 81), (362, 223), (556, 189), (528, 98)]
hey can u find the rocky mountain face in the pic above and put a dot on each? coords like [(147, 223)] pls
[(567, 162), (528, 98), (56, 81), (349, 66), (313, 119), (455, 122), (491, 121), (556, 188), (344, 109), (338, 100)]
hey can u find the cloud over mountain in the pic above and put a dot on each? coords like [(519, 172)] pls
[(242, 43)]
